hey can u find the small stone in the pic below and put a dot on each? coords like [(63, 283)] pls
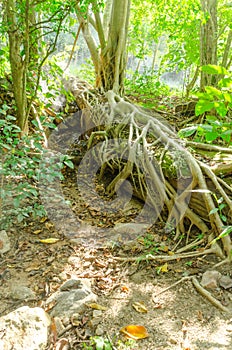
[(22, 293), (225, 282), (99, 330), (63, 276), (97, 313), (59, 325), (70, 284), (95, 321), (210, 279), (4, 242), (74, 261), (66, 321)]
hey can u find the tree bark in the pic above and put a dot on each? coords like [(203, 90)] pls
[(110, 61), (208, 40), (18, 62)]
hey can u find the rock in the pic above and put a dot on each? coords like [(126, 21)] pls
[(24, 329), (73, 299), (59, 325), (22, 293), (97, 313), (225, 282), (4, 242), (70, 284), (99, 330), (210, 279)]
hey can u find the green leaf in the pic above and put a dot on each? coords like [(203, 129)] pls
[(224, 233), (213, 91), (203, 106), (221, 109), (186, 132), (223, 218), (69, 163), (213, 69), (211, 136), (225, 83), (213, 211)]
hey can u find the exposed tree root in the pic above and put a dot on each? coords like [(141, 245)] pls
[(144, 149), (199, 288), (215, 249), (208, 295)]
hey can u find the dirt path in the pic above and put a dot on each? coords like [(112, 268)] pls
[(179, 318)]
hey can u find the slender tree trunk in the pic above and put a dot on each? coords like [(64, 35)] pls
[(208, 40), (18, 62)]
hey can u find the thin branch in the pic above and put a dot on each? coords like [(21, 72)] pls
[(74, 45)]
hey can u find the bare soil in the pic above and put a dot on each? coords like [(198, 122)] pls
[(177, 318)]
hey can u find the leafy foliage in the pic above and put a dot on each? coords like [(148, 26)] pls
[(215, 103), (21, 171)]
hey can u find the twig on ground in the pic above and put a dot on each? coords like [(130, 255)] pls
[(199, 288), (186, 278)]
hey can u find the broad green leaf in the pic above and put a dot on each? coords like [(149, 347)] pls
[(227, 97), (211, 118), (69, 164), (211, 136), (221, 109), (213, 91), (214, 69), (186, 132), (203, 106), (225, 83)]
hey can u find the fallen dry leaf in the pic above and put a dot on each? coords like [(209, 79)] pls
[(43, 220), (49, 225), (49, 240), (125, 289), (135, 331), (36, 232), (163, 268), (96, 306), (140, 307)]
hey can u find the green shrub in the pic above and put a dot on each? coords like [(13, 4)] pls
[(216, 104), (21, 171)]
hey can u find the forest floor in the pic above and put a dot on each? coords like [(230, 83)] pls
[(178, 318), (144, 293)]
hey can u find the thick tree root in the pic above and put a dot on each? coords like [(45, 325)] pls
[(145, 150), (215, 249)]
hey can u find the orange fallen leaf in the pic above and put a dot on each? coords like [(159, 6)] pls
[(125, 289), (135, 331)]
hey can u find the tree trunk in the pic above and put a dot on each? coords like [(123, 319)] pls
[(110, 62), (18, 62), (113, 57), (208, 40)]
